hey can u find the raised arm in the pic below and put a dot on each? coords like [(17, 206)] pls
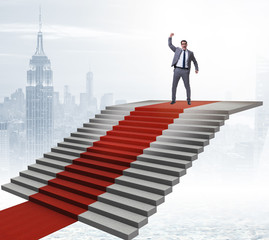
[(173, 48)]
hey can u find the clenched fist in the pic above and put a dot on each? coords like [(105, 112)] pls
[(172, 34)]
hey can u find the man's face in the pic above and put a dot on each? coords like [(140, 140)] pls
[(184, 45)]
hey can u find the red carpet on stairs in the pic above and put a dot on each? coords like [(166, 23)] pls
[(65, 197)]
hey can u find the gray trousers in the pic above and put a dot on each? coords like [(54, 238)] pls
[(184, 73)]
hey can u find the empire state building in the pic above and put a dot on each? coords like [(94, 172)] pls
[(39, 102)]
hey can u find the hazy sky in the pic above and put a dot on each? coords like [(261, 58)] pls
[(125, 43)]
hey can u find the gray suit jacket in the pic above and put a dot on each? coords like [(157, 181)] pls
[(178, 51)]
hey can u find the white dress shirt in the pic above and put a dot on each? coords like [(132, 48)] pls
[(180, 60)]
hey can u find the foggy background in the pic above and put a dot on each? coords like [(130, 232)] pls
[(125, 45)]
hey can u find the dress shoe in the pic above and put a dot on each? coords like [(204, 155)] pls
[(172, 102), (189, 102)]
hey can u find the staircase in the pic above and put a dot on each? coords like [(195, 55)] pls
[(116, 169)]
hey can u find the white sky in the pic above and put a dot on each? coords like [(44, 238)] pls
[(125, 43)]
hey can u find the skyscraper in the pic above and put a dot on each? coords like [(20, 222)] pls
[(39, 102)]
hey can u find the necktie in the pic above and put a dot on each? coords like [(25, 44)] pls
[(183, 59)]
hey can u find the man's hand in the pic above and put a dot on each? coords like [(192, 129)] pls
[(172, 34), (196, 71)]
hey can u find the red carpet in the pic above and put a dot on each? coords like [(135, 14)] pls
[(69, 194)]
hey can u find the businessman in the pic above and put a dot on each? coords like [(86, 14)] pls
[(182, 66)]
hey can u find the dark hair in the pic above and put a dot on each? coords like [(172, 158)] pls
[(184, 41)]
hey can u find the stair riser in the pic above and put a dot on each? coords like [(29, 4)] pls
[(98, 126), (115, 112), (182, 141), (127, 207), (88, 174), (154, 114), (58, 158), (103, 168), (65, 151), (107, 229), (92, 130), (65, 199), (192, 128), (149, 151), (123, 148), (200, 116), (149, 119), (157, 170), (19, 194), (131, 129), (107, 159), (104, 121), (136, 197), (143, 187), (44, 171), (84, 194), (192, 135), (150, 178), (88, 136), (131, 135), (41, 180), (165, 163), (109, 116), (79, 141), (125, 141), (49, 164), (79, 181), (118, 218), (198, 122), (24, 185), (144, 124), (116, 154), (176, 148), (81, 148), (62, 211)]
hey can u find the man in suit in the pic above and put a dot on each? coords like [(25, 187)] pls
[(182, 66)]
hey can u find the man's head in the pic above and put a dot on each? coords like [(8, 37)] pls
[(184, 44)]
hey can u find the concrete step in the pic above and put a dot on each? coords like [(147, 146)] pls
[(145, 185), (177, 146), (153, 176), (119, 214), (136, 194), (185, 133), (60, 157), (115, 112), (158, 168), (98, 125), (44, 169), (205, 122), (108, 225), (192, 115), (86, 135), (128, 204), (120, 108), (110, 116), (92, 130), (52, 163), (104, 121), (164, 161), (18, 190), (36, 176), (200, 128), (170, 153), (183, 140), (76, 146), (27, 183), (80, 140), (67, 151)]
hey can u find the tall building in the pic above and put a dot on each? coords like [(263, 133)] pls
[(39, 102), (89, 86), (106, 100), (4, 150)]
